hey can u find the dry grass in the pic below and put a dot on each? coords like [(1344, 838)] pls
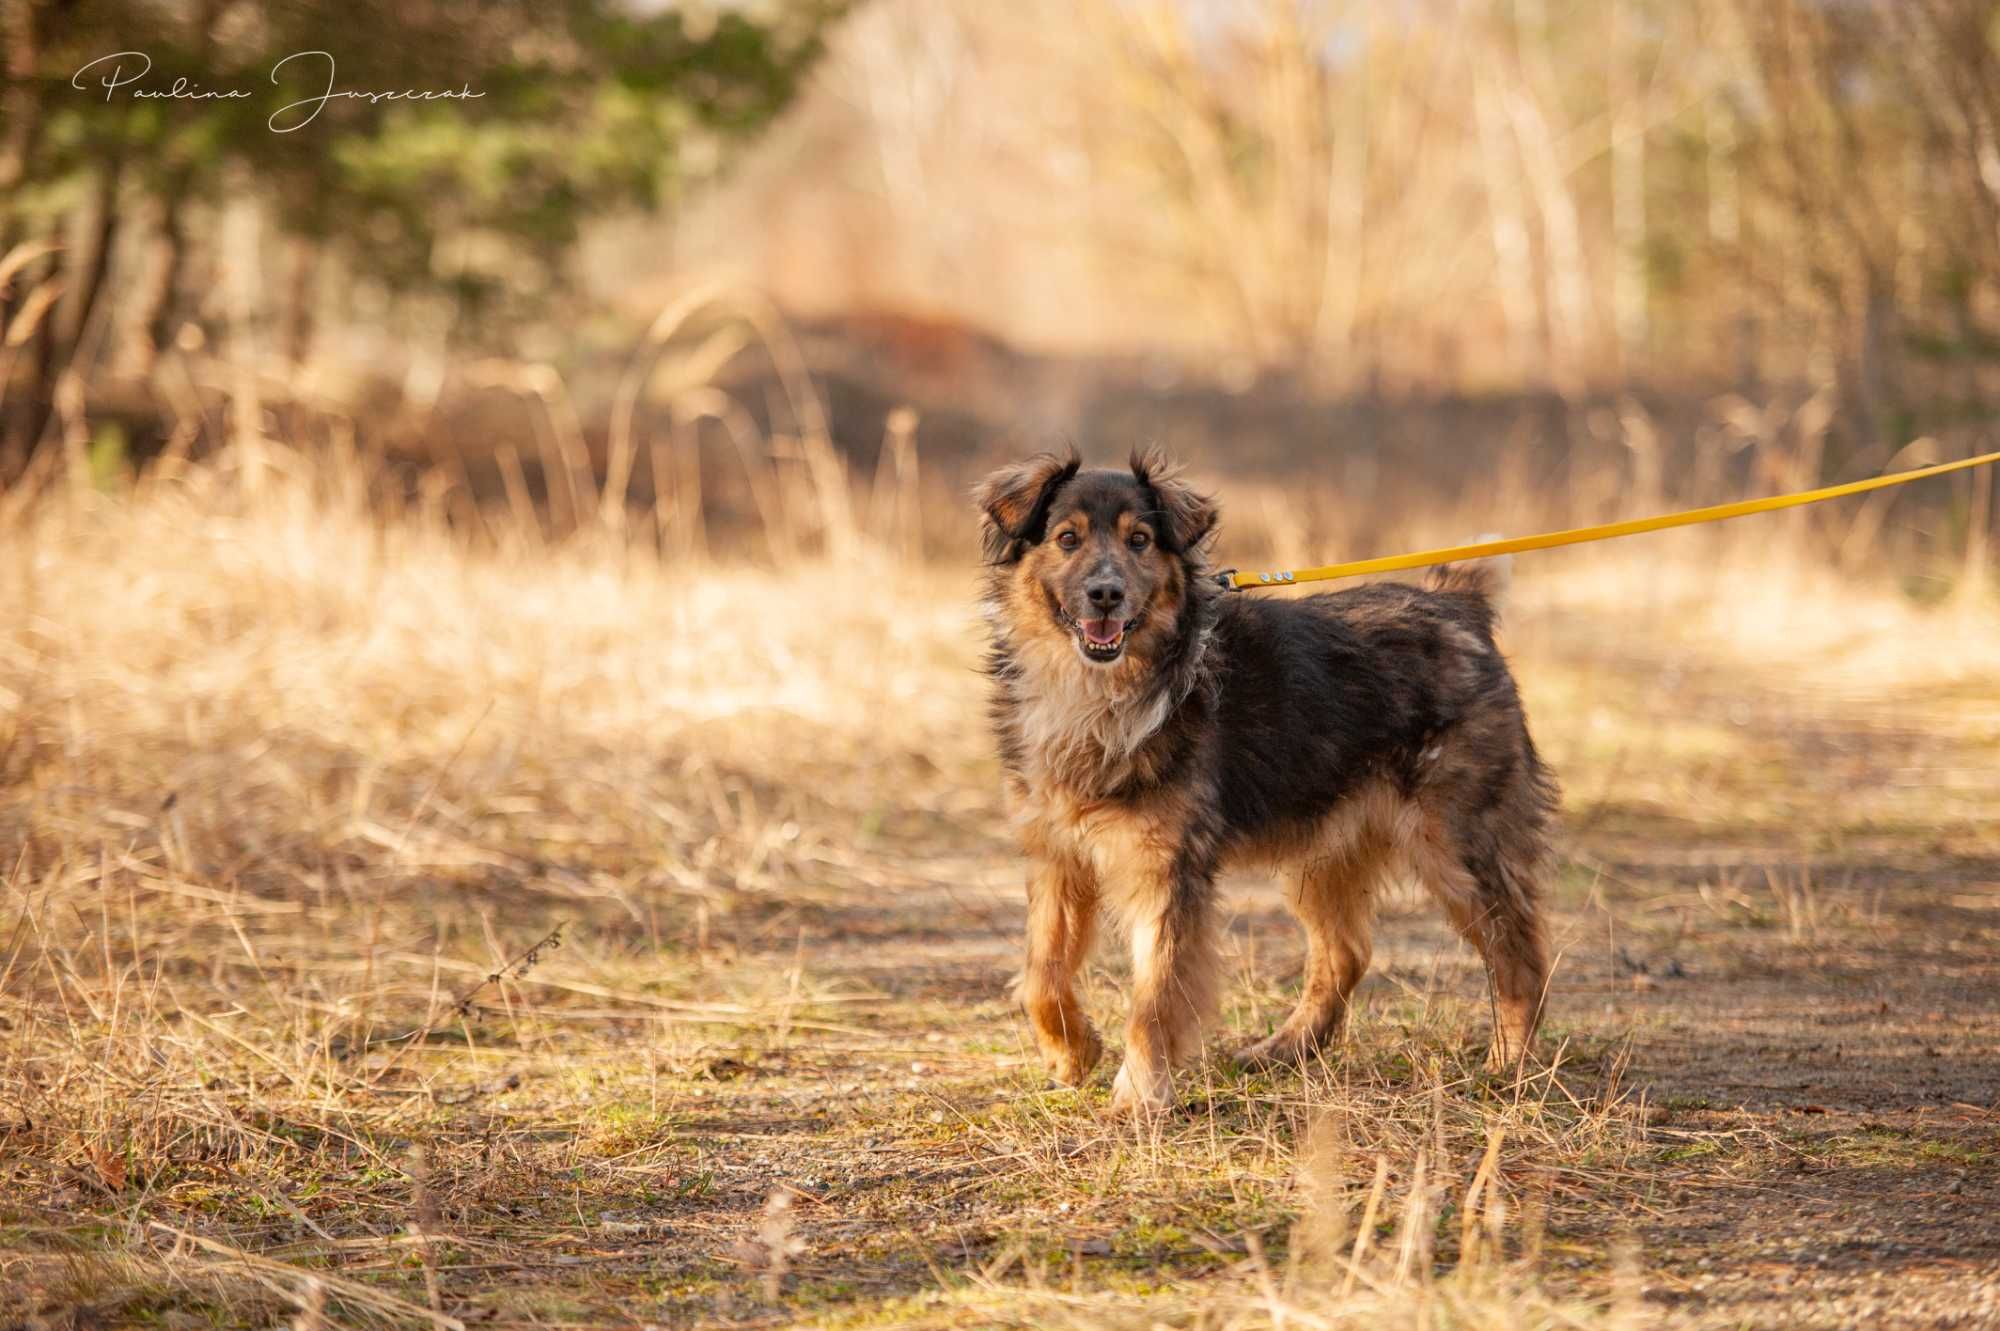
[(403, 932)]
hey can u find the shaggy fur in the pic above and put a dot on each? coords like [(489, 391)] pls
[(1156, 729)]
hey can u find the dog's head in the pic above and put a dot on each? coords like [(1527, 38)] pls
[(1106, 557)]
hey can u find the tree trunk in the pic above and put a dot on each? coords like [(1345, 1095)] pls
[(1628, 199), (103, 239), (299, 300), (1571, 330), (1507, 211), (20, 114), (158, 303), (30, 414), (1875, 356)]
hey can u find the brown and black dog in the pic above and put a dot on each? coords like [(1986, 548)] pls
[(1155, 729)]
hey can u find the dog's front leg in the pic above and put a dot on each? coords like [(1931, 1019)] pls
[(1062, 916), (1173, 982)]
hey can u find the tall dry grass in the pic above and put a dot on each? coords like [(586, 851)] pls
[(286, 778), (306, 771)]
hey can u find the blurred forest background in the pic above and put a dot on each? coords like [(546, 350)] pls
[(1436, 235)]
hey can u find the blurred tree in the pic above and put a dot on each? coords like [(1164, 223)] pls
[(1520, 193), (583, 107)]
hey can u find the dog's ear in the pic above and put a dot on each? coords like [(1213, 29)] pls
[(1015, 501), (1187, 516)]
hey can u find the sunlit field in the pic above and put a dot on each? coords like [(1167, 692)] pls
[(416, 926), (499, 824)]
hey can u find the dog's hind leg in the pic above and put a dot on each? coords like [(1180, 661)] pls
[(1334, 899), (1062, 918), (1486, 879)]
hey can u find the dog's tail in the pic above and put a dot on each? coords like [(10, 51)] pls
[(1488, 578)]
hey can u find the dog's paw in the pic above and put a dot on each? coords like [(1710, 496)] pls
[(1139, 1093), (1283, 1050), (1502, 1061), (1072, 1063)]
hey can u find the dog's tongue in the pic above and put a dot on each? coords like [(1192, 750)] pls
[(1102, 631)]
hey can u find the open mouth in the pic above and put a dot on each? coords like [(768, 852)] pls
[(1101, 640)]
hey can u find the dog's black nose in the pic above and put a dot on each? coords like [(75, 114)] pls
[(1105, 596)]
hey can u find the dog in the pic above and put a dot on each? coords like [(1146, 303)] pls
[(1155, 729)]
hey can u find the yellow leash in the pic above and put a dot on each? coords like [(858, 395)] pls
[(1355, 568)]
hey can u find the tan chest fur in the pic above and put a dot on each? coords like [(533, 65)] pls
[(1128, 846), (1081, 726)]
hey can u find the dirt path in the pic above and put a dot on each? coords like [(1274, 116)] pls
[(1815, 1068), (1809, 1044)]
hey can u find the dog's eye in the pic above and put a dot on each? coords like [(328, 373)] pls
[(1139, 540), (1068, 540)]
